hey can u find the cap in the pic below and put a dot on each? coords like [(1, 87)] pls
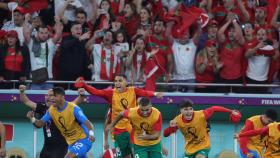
[(210, 43), (212, 22), (12, 33)]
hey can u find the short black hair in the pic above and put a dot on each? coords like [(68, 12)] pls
[(75, 23), (272, 114), (58, 91), (145, 101), (185, 103), (81, 11), (121, 75)]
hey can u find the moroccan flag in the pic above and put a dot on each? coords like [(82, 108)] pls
[(30, 6)]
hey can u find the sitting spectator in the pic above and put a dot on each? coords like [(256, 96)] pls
[(14, 61), (207, 66), (73, 48), (231, 54), (260, 55), (42, 49)]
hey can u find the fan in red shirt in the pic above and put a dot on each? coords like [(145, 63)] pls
[(161, 62), (231, 53)]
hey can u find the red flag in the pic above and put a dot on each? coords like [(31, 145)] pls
[(30, 6)]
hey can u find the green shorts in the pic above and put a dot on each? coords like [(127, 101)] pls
[(152, 151), (203, 152), (122, 144)]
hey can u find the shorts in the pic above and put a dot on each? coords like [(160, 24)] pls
[(151, 151), (203, 152), (122, 144), (253, 152), (80, 147), (53, 152)]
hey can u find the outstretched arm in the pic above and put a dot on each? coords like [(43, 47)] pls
[(210, 111), (250, 133)]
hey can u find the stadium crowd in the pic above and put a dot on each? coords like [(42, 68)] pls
[(189, 41)]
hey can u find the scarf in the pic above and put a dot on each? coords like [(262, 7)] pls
[(143, 61), (103, 72)]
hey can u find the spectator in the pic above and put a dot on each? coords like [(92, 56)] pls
[(260, 21), (184, 50), (14, 61), (162, 60), (137, 59), (260, 56), (104, 15), (16, 24), (104, 57), (80, 17), (231, 54), (73, 48), (207, 66), (42, 49)]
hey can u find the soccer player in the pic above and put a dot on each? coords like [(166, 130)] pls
[(2, 140), (253, 147), (71, 122), (193, 125), (272, 131), (146, 124), (55, 145), (120, 98)]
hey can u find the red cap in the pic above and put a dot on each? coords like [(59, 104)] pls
[(235, 118), (210, 43), (212, 22), (3, 33), (12, 33), (262, 8)]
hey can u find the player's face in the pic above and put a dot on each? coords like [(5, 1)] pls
[(187, 112), (145, 110), (49, 97), (120, 83), (266, 120), (58, 99)]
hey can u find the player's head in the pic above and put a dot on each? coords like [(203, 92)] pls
[(145, 106), (120, 82), (59, 96), (49, 97), (269, 116), (186, 108)]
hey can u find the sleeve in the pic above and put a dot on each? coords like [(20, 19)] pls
[(210, 111), (79, 115), (158, 125), (244, 140), (143, 93), (126, 113), (250, 133), (169, 130), (46, 117), (106, 93)]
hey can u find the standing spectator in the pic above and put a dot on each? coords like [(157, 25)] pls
[(14, 60), (184, 50), (207, 66), (260, 56), (137, 59), (16, 24), (261, 22), (42, 49), (162, 60), (104, 57), (80, 17), (104, 15), (231, 53), (73, 48)]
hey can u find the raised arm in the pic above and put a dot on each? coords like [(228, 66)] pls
[(81, 96), (23, 98), (27, 29), (62, 10), (243, 10), (238, 31), (58, 27), (221, 32), (275, 16), (198, 32)]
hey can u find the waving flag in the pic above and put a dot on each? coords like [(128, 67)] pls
[(30, 6)]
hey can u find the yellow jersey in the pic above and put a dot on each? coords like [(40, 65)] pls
[(273, 143)]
